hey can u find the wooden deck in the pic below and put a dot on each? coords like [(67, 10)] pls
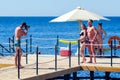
[(47, 67)]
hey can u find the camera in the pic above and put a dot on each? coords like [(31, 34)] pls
[(26, 27)]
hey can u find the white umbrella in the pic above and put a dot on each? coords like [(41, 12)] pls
[(78, 14)]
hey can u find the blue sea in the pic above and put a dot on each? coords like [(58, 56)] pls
[(44, 33)]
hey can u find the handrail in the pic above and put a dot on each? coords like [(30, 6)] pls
[(1, 54), (5, 48)]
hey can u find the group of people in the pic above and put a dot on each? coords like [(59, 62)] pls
[(91, 38)]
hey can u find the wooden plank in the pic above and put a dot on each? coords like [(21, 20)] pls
[(100, 68)]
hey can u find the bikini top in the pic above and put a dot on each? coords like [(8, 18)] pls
[(81, 33)]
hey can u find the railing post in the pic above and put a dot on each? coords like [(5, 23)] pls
[(56, 51), (69, 54), (9, 45), (26, 51), (111, 51), (74, 75), (91, 75), (57, 40), (107, 75), (37, 60), (13, 43), (115, 47), (78, 52), (18, 64), (30, 43), (2, 50), (67, 77)]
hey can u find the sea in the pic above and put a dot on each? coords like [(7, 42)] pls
[(46, 35)]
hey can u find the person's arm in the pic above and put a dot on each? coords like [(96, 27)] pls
[(95, 31), (24, 32)]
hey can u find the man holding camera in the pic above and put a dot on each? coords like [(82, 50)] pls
[(19, 32)]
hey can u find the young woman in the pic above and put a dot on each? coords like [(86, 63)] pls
[(100, 38), (83, 35)]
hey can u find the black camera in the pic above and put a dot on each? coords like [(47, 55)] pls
[(26, 27)]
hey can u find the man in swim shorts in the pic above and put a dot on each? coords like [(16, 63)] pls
[(91, 34), (19, 32)]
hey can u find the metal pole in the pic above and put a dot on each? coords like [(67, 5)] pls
[(57, 40), (37, 60), (91, 75), (56, 57), (2, 50), (30, 43), (69, 54), (67, 77), (111, 52), (74, 75), (13, 43), (107, 75), (115, 47), (26, 51), (18, 64), (56, 52), (9, 45), (78, 52)]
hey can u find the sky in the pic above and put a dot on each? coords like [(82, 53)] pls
[(57, 7)]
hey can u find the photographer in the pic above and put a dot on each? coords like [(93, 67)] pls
[(20, 31)]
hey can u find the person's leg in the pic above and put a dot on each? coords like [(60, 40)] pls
[(16, 57), (90, 52), (97, 48), (93, 52), (82, 52), (20, 55), (101, 47)]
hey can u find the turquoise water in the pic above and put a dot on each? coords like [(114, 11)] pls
[(44, 33)]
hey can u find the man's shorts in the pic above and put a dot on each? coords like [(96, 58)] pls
[(17, 43)]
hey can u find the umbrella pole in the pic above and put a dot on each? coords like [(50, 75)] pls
[(79, 23)]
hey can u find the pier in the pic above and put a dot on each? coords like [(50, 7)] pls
[(54, 66), (47, 71)]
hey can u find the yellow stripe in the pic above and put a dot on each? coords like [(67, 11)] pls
[(67, 42), (5, 65)]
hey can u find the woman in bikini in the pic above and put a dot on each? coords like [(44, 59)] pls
[(83, 35), (100, 38)]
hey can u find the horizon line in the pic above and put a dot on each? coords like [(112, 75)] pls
[(47, 16)]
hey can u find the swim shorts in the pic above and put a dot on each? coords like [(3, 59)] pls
[(17, 43)]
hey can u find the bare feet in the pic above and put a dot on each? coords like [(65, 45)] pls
[(83, 61), (94, 62), (89, 62), (21, 67)]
